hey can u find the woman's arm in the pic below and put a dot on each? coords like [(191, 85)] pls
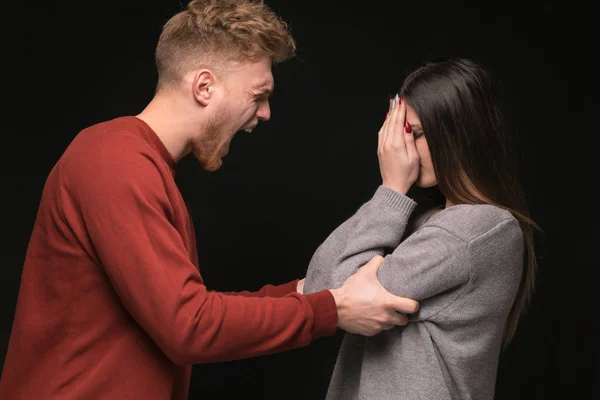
[(377, 225)]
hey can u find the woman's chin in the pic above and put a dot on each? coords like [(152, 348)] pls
[(425, 183)]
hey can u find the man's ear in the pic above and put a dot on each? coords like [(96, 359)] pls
[(203, 86)]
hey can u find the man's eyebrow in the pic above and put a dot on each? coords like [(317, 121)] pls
[(265, 88)]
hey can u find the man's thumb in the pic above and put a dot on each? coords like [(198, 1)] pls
[(373, 265)]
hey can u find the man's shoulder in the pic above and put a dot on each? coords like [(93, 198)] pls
[(113, 132), (112, 141), (116, 149)]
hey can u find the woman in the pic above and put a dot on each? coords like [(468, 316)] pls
[(469, 262)]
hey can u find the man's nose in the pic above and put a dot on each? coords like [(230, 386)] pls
[(264, 112)]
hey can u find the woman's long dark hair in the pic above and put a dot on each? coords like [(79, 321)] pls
[(471, 148)]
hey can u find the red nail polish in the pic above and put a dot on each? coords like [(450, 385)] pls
[(401, 100), (407, 127)]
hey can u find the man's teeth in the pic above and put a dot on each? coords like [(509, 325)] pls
[(248, 130)]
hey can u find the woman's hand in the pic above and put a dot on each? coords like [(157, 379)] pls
[(398, 157)]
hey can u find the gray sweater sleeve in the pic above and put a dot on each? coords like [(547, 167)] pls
[(377, 225), (429, 262)]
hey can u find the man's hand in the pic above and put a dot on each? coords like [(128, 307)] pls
[(300, 286), (365, 307)]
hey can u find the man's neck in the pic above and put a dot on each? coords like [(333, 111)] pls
[(162, 115)]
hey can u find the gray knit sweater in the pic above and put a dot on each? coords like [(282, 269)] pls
[(463, 265)]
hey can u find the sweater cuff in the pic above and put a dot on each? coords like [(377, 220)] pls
[(395, 200), (284, 289), (324, 313)]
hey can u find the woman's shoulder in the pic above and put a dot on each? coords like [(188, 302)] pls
[(470, 221)]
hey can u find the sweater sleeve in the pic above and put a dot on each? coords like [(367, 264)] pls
[(269, 290), (431, 266), (378, 225), (122, 202)]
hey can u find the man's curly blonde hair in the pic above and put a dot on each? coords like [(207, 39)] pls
[(210, 32)]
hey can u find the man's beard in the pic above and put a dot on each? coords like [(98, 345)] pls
[(206, 148)]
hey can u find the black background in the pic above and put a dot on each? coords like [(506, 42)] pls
[(287, 185)]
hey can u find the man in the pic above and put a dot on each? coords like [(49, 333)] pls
[(112, 303)]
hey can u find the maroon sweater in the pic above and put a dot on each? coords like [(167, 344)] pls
[(112, 304)]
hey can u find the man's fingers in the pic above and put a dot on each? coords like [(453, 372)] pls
[(403, 304), (395, 319)]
